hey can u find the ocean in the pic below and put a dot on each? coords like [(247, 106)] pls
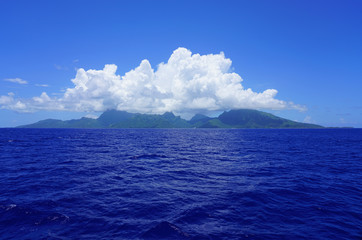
[(180, 184)]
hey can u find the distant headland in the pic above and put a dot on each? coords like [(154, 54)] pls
[(242, 118)]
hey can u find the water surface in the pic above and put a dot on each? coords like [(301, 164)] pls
[(180, 184)]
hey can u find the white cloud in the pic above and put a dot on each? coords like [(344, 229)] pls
[(59, 67), (187, 83), (7, 100), (42, 85), (92, 116), (16, 80), (308, 119)]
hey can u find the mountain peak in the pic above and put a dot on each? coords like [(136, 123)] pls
[(169, 115), (199, 117)]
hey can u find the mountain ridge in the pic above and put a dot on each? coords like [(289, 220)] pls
[(240, 118)]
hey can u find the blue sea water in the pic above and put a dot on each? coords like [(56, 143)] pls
[(180, 184)]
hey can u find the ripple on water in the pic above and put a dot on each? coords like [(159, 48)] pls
[(180, 184)]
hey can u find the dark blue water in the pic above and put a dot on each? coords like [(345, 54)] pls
[(180, 184)]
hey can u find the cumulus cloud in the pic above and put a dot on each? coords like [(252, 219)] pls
[(16, 80), (186, 83), (9, 102)]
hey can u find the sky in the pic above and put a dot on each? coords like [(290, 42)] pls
[(300, 60)]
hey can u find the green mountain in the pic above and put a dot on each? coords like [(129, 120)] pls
[(242, 118), (199, 120), (247, 118), (167, 120), (75, 123), (112, 117)]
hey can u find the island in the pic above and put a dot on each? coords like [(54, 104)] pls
[(240, 118)]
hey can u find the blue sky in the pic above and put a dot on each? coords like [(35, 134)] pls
[(309, 51)]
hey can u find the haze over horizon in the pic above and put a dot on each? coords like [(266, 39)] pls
[(300, 61)]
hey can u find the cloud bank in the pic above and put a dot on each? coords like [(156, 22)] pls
[(186, 83)]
